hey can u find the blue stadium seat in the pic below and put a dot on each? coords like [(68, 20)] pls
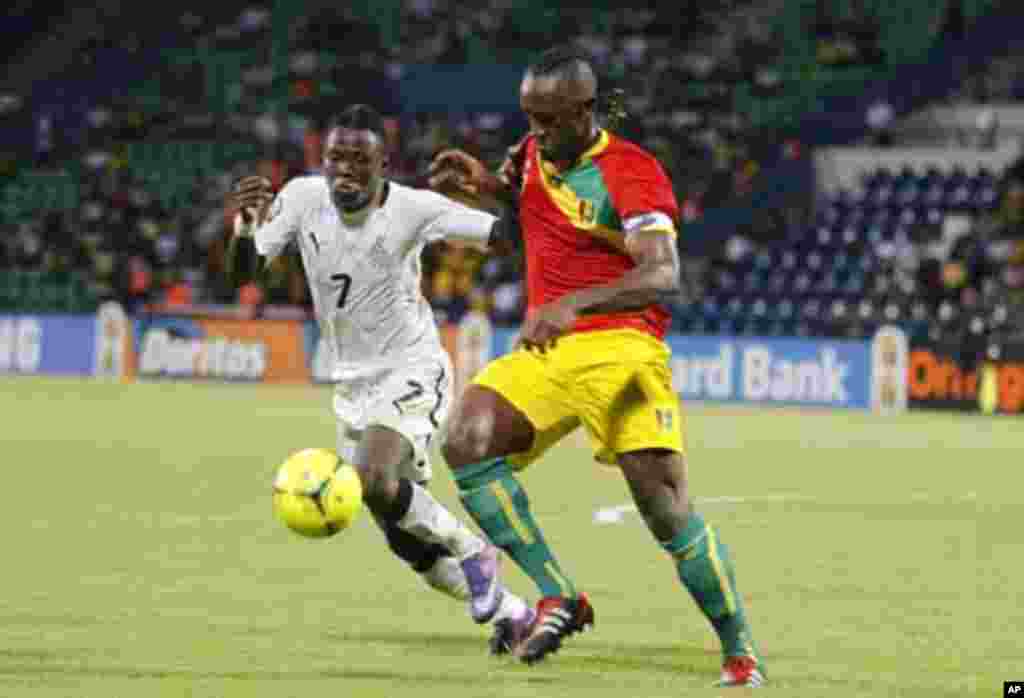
[(829, 283), (882, 218), (853, 285), (883, 195), (711, 308), (778, 283), (814, 260), (934, 216), (754, 280), (910, 194), (735, 308), (764, 261), (724, 326), (811, 309), (683, 323), (852, 236), (989, 197), (935, 195)]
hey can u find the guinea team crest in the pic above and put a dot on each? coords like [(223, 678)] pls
[(588, 212)]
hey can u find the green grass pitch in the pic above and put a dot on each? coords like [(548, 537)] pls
[(878, 557)]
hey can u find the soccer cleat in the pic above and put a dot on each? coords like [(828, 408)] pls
[(485, 592), (741, 671), (510, 632), (557, 619)]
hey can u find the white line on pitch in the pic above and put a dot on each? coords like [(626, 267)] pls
[(616, 514), (613, 515)]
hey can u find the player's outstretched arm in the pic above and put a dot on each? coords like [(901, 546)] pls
[(458, 175)]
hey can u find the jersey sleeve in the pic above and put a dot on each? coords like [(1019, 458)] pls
[(641, 192), (450, 220), (282, 223)]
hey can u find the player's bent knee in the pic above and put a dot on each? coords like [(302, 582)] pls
[(485, 426), (469, 440)]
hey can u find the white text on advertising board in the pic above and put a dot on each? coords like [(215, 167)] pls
[(212, 357), (762, 375)]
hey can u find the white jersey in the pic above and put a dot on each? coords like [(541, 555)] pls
[(365, 278)]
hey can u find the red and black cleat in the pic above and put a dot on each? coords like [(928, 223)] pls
[(741, 671), (509, 633), (557, 619)]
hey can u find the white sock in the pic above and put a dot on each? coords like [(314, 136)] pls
[(431, 522), (448, 578), (511, 607)]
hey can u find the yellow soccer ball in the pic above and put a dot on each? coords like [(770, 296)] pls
[(316, 493)]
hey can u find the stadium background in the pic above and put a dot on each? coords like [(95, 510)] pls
[(842, 166), (853, 236)]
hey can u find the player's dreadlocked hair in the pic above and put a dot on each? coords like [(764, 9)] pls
[(359, 117), (568, 62), (615, 107)]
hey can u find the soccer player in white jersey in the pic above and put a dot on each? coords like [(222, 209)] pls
[(360, 237)]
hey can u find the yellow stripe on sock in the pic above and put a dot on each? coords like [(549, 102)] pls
[(690, 551), (716, 563), (505, 500), (557, 576)]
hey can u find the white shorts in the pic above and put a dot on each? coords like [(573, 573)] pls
[(413, 400)]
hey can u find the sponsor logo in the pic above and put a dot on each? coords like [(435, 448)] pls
[(767, 376), (706, 376), (764, 374), (934, 378), (164, 354)]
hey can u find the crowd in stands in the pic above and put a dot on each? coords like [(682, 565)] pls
[(724, 83)]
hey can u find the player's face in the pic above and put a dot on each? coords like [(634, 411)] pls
[(561, 121), (354, 165)]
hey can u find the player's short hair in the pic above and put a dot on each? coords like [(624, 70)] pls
[(359, 117), (566, 61)]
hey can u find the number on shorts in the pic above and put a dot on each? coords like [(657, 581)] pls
[(417, 391)]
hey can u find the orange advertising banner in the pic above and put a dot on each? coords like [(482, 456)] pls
[(217, 348)]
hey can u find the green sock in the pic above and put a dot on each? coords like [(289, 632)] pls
[(494, 498), (706, 570)]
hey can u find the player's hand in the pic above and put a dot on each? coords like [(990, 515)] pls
[(510, 173), (544, 326), (251, 197), (455, 171)]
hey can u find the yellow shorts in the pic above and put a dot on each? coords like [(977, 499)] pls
[(616, 383)]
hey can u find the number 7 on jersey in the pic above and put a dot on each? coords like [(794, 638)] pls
[(346, 282)]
